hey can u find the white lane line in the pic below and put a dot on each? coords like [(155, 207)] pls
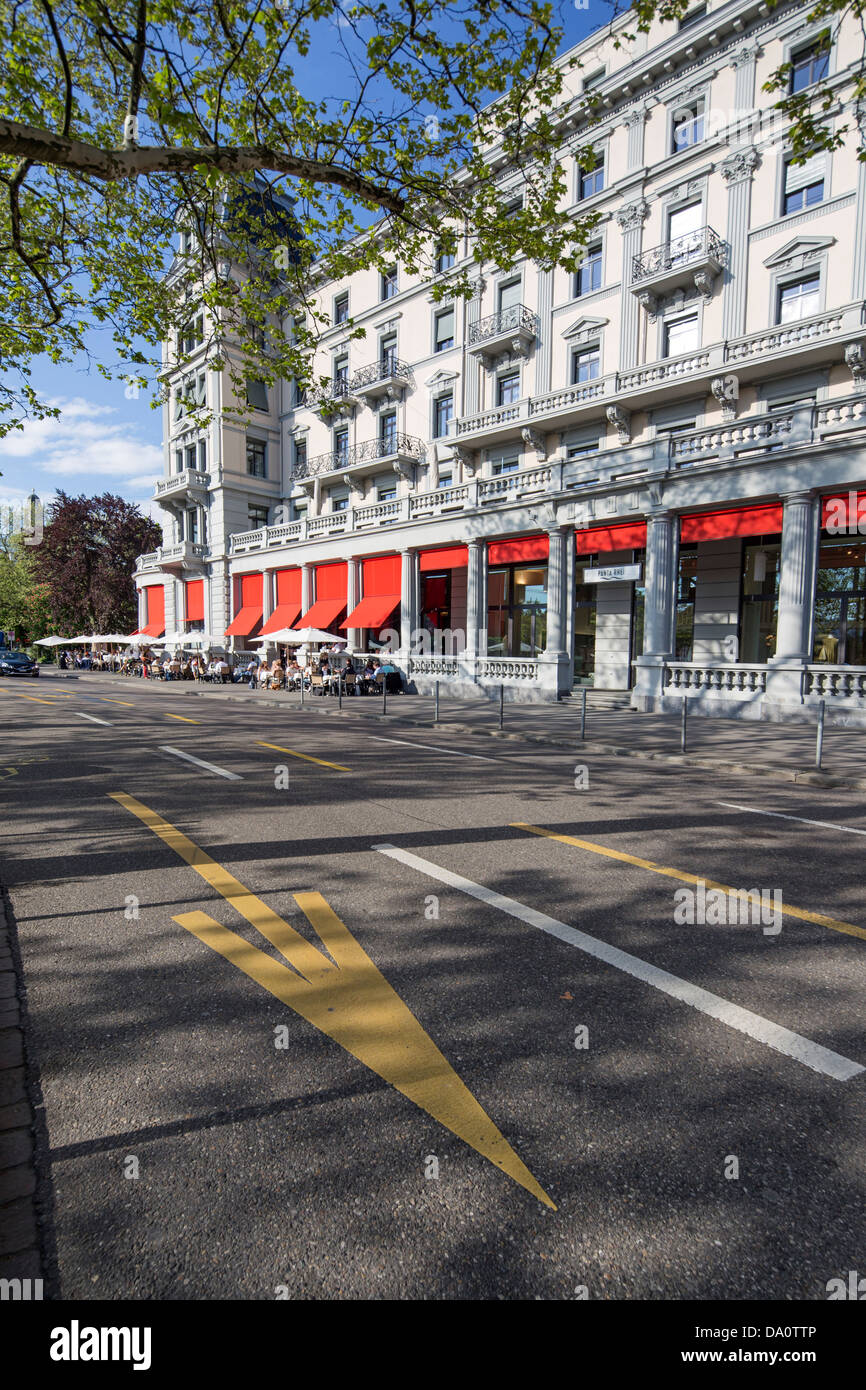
[(811, 1054), (452, 752), (199, 762), (777, 815), (92, 717)]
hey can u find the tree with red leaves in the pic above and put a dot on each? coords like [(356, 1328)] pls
[(86, 560)]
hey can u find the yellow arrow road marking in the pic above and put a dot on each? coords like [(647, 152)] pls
[(803, 913), (182, 717), (10, 772), (307, 756), (350, 1001)]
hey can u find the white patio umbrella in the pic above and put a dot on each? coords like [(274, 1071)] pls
[(50, 641), (313, 634)]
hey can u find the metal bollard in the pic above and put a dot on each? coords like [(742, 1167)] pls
[(683, 725), (436, 703), (340, 690), (583, 716), (501, 706), (819, 743), (302, 690), (384, 694)]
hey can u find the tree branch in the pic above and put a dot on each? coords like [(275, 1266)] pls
[(48, 148)]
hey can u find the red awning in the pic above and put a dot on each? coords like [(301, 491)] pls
[(283, 616), (194, 601), (630, 535), (155, 601), (322, 613), (735, 521), (844, 513), (517, 551), (449, 557), (246, 620), (372, 612)]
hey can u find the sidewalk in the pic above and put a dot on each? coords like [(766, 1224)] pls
[(787, 752)]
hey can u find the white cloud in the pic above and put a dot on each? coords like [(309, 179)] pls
[(84, 442)]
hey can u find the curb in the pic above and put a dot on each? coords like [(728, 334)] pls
[(782, 774), (21, 1200)]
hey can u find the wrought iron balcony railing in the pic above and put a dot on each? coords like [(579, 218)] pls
[(693, 247), (510, 320), (390, 446), (385, 369)]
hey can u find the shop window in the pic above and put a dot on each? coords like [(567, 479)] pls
[(585, 611), (759, 600), (840, 602), (517, 611), (686, 582), (436, 602)]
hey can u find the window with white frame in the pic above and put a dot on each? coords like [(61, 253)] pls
[(580, 450), (586, 364), (588, 277), (803, 184), (508, 296), (202, 455), (178, 460), (681, 335), (388, 284), (508, 388), (190, 452), (341, 446), (688, 124), (504, 465), (445, 479), (386, 492), (257, 515), (341, 373), (443, 412), (809, 65), (591, 180), (444, 261), (798, 299), (443, 330), (388, 431), (339, 499), (341, 308), (388, 354)]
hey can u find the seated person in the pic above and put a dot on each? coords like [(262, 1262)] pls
[(277, 675), (263, 676)]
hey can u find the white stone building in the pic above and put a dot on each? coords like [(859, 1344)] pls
[(649, 476)]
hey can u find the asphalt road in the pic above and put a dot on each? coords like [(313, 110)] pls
[(558, 1089)]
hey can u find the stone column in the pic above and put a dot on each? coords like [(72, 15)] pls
[(306, 588), (353, 598), (737, 171), (795, 580), (544, 345), (659, 584), (796, 590), (267, 595), (556, 568), (631, 219), (635, 124), (858, 273), (408, 621), (476, 550), (470, 358), (744, 62), (660, 590)]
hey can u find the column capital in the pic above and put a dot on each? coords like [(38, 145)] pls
[(633, 215), (740, 165), (802, 496), (660, 514)]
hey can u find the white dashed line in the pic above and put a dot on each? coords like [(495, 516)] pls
[(773, 1035), (199, 762), (824, 824)]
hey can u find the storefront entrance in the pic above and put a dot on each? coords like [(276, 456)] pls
[(840, 603)]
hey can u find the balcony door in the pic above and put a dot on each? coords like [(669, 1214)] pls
[(684, 232)]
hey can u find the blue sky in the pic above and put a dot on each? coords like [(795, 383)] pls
[(105, 441)]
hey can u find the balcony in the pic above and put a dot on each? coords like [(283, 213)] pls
[(188, 555), (388, 377), (393, 451), (511, 330), (693, 259), (191, 484), (337, 402)]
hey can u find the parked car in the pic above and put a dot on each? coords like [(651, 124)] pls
[(17, 664)]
